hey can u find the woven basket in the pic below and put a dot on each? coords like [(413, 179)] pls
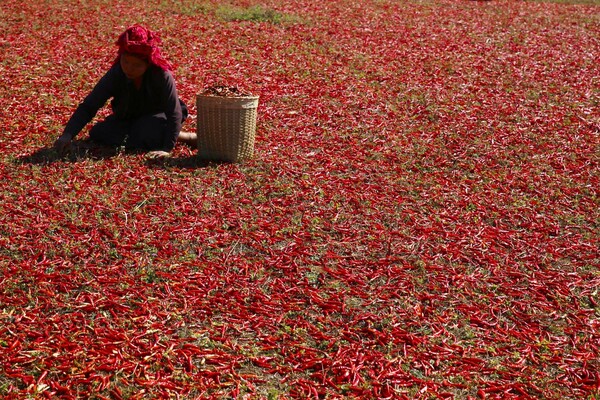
[(226, 127)]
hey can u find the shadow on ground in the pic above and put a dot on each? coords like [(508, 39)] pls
[(85, 150), (79, 150), (190, 162)]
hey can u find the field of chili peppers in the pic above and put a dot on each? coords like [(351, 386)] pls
[(420, 219)]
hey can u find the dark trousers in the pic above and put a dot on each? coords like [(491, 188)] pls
[(144, 133)]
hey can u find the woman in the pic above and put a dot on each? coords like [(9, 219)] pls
[(146, 111)]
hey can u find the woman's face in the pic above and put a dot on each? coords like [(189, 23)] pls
[(134, 67)]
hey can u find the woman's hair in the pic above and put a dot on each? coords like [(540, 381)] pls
[(143, 43)]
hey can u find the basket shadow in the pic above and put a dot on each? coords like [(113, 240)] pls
[(189, 162)]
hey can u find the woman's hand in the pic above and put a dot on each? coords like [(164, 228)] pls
[(62, 144), (158, 154)]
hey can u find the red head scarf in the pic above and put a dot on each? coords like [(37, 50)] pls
[(143, 43)]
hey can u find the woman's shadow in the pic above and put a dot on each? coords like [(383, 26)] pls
[(78, 150)]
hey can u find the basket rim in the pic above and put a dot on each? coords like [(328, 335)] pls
[(249, 97)]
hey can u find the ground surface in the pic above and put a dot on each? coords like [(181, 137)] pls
[(420, 219)]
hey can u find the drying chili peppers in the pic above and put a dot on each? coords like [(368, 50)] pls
[(420, 219)]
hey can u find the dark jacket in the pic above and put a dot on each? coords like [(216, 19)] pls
[(157, 94)]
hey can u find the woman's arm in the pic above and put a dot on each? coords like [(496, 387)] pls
[(89, 107), (172, 109)]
